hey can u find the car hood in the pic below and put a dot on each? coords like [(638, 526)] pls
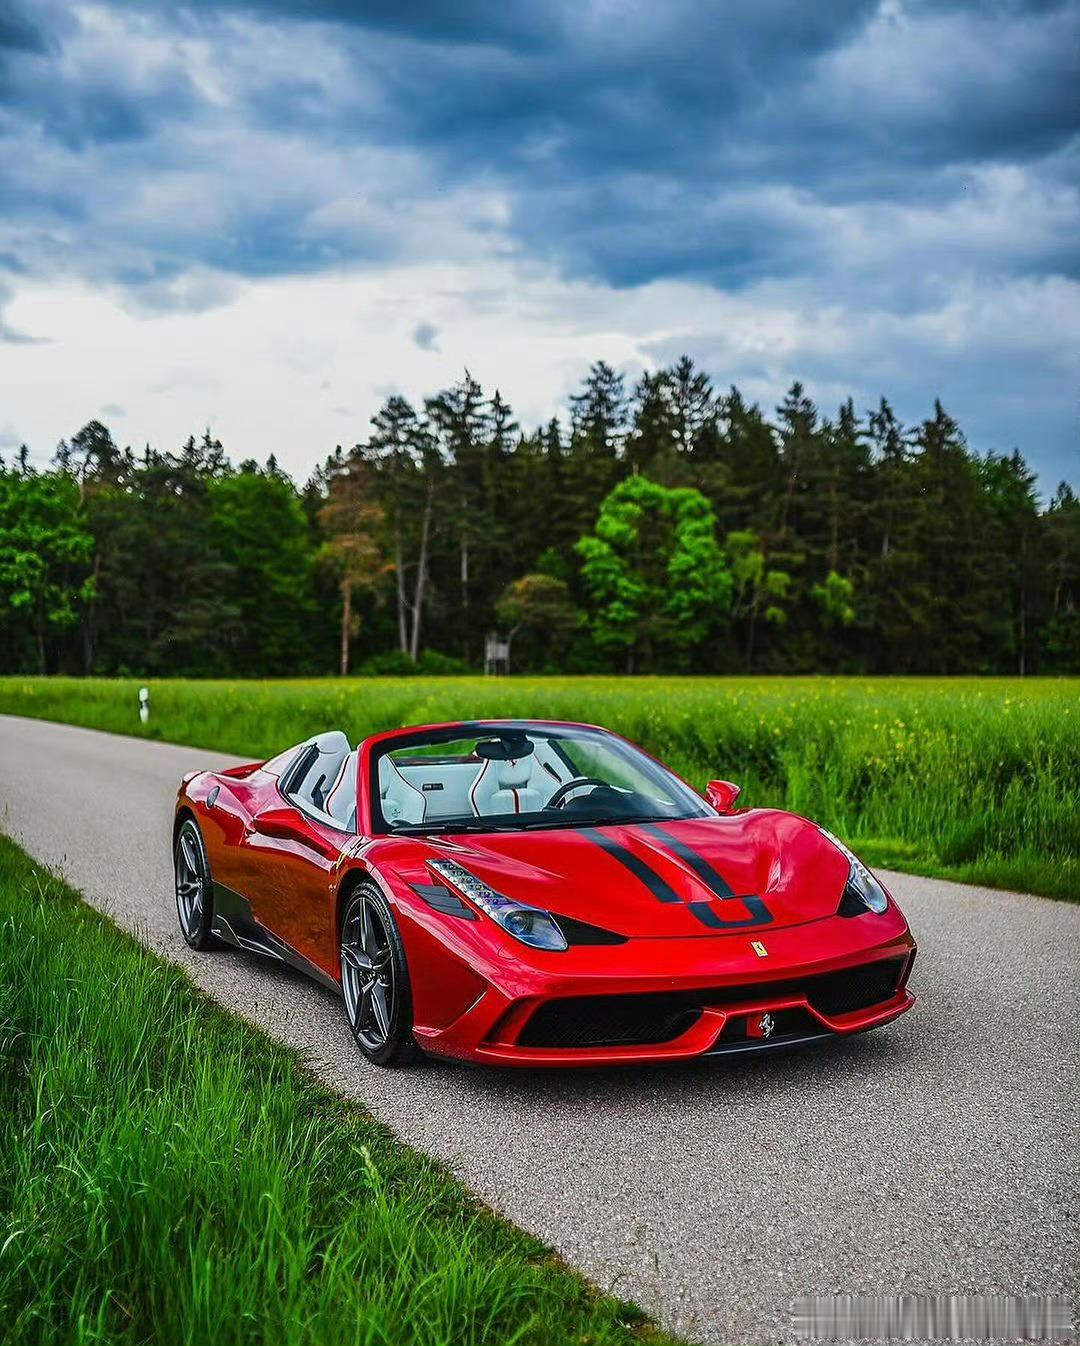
[(672, 879)]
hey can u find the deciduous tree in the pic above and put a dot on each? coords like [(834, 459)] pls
[(351, 520), (654, 571), (540, 604)]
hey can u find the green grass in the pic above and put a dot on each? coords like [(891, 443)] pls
[(167, 1174), (973, 779)]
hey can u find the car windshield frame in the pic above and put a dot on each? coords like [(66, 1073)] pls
[(688, 803)]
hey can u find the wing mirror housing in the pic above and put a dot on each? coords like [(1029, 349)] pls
[(722, 794), (289, 824)]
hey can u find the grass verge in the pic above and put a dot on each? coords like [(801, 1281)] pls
[(975, 779), (168, 1174)]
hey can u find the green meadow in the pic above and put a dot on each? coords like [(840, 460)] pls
[(976, 779)]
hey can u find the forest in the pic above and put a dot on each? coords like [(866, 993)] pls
[(667, 527)]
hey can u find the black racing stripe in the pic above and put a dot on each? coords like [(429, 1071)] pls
[(714, 881), (702, 911), (662, 891), (711, 878), (707, 915)]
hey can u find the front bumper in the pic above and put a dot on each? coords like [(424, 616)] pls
[(667, 1000)]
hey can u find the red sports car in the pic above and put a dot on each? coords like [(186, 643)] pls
[(524, 892)]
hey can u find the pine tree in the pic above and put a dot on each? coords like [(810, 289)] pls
[(462, 419), (748, 450), (652, 435), (598, 412), (797, 426), (409, 472), (953, 590), (1019, 567), (692, 403), (1060, 635)]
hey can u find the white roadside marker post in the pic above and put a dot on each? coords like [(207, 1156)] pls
[(144, 704)]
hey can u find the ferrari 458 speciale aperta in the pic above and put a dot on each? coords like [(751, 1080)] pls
[(533, 893)]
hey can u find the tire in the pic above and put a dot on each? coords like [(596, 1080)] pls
[(375, 982), (194, 888)]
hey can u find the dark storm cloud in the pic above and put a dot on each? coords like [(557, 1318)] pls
[(632, 141), (864, 153), (18, 31)]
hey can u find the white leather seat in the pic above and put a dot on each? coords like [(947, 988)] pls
[(400, 801), (324, 772), (341, 797), (507, 787)]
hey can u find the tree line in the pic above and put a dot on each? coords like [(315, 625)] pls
[(664, 527)]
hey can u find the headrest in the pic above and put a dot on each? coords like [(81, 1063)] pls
[(331, 744), (514, 773)]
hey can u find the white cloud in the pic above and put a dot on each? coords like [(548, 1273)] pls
[(295, 366)]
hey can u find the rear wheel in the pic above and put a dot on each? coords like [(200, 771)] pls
[(194, 888), (375, 979)]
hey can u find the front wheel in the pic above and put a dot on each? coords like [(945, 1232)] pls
[(194, 887), (375, 979)]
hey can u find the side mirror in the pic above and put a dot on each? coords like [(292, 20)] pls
[(288, 824), (722, 794)]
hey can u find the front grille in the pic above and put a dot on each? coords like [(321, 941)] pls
[(660, 1016)]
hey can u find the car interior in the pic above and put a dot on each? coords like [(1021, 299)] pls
[(489, 776), (423, 788), (322, 780)]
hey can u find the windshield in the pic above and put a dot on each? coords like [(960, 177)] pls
[(521, 776)]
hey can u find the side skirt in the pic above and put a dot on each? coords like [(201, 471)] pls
[(235, 923)]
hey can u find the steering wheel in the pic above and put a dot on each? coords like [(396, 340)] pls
[(558, 799)]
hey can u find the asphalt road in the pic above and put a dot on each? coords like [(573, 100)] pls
[(937, 1154)]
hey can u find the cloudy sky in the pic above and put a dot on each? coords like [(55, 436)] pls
[(267, 216)]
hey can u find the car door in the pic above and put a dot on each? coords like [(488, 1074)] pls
[(291, 862)]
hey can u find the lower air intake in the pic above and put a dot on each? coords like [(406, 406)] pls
[(653, 1017), (854, 988), (609, 1021)]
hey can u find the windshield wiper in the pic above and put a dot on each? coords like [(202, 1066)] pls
[(428, 829), (511, 824)]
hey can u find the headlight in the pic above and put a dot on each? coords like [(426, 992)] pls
[(861, 885), (528, 924)]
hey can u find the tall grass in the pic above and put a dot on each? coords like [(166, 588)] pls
[(977, 779), (169, 1175)]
